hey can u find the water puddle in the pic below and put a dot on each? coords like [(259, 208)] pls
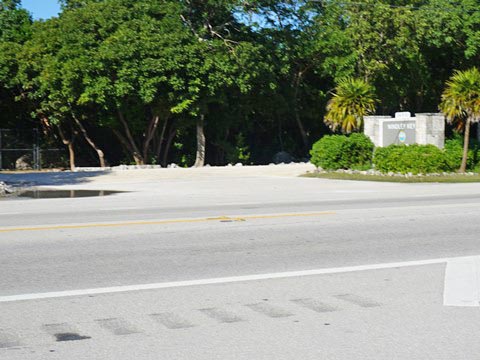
[(62, 194)]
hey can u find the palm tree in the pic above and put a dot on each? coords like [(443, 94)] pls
[(351, 101), (461, 102)]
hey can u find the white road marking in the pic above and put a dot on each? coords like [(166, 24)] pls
[(155, 207), (462, 282), (124, 208), (354, 191), (226, 280)]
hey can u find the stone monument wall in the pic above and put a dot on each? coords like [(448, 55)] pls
[(422, 129)]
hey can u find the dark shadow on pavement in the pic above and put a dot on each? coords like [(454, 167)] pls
[(49, 178)]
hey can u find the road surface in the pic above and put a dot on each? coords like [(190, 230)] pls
[(251, 266)]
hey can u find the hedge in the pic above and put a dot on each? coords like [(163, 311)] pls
[(413, 159), (335, 152), (356, 152)]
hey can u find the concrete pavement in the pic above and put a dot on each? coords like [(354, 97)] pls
[(219, 231), (386, 314)]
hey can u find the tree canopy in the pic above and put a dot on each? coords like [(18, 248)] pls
[(190, 81)]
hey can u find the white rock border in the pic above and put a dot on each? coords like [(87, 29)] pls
[(372, 172)]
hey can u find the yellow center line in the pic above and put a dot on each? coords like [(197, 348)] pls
[(165, 222)]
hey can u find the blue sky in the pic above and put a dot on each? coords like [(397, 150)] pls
[(42, 9)]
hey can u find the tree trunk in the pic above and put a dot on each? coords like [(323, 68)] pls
[(478, 132), (160, 140), (100, 154), (126, 145), (466, 140), (69, 144), (303, 133), (139, 160), (200, 159), (71, 156), (168, 145), (152, 128)]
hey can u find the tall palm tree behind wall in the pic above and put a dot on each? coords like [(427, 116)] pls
[(461, 103)]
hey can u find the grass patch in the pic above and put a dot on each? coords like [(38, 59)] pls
[(397, 179)]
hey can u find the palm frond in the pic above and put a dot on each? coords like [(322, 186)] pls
[(352, 100), (461, 97)]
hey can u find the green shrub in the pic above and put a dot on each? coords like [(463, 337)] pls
[(413, 159), (334, 152), (327, 152), (359, 152), (454, 153)]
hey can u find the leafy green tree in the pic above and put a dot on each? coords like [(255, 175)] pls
[(377, 41), (99, 58), (42, 77), (461, 101), (189, 80), (351, 101), (131, 68), (225, 60), (449, 40), (141, 65), (74, 4), (15, 29), (15, 22), (289, 30)]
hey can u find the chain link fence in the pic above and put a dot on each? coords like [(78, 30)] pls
[(23, 150)]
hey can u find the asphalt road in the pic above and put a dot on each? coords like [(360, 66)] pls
[(171, 231)]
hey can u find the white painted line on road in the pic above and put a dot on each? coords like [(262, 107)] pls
[(123, 208), (223, 280), (462, 282), (355, 191)]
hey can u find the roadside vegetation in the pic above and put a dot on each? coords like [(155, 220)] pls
[(438, 178), (356, 152), (461, 105), (196, 82)]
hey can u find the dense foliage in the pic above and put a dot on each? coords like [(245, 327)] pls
[(333, 152), (423, 159), (193, 82), (356, 152), (461, 102), (415, 159), (454, 154)]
